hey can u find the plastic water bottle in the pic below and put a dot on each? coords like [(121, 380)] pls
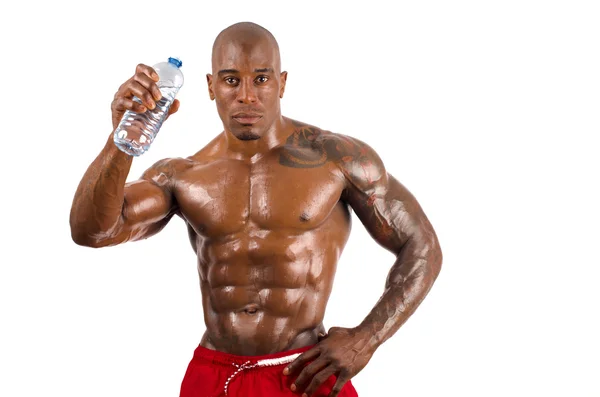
[(136, 131)]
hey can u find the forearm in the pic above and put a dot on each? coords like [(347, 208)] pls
[(98, 202), (408, 282)]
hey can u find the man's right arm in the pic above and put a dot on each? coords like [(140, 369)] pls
[(107, 211)]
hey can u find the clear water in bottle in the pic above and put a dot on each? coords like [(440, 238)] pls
[(136, 131)]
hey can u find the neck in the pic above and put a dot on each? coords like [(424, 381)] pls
[(274, 136)]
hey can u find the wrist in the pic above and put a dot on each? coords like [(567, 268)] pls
[(113, 152), (366, 333)]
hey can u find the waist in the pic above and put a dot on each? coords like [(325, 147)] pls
[(259, 361), (262, 338)]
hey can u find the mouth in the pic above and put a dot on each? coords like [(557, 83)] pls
[(247, 118)]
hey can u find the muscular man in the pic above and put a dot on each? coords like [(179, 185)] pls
[(267, 206)]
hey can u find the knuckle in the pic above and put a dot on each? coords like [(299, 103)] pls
[(123, 88), (316, 382), (311, 389), (321, 377), (300, 379), (118, 93)]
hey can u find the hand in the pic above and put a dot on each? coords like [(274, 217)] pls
[(344, 352), (142, 85)]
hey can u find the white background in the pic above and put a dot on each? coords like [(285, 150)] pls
[(487, 111)]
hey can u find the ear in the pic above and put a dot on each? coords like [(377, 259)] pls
[(210, 88), (282, 81)]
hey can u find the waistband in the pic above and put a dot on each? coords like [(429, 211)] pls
[(266, 360)]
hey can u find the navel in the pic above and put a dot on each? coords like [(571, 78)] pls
[(251, 309)]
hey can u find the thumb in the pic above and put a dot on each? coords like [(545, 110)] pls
[(321, 336), (174, 107)]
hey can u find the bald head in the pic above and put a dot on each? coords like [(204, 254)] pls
[(246, 81), (245, 36)]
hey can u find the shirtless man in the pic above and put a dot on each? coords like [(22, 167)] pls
[(267, 206)]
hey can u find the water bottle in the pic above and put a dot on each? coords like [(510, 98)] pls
[(136, 131)]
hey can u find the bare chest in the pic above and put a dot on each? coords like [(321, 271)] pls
[(224, 196)]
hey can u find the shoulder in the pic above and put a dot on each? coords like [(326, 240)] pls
[(170, 169), (165, 171), (361, 165), (338, 145), (358, 162)]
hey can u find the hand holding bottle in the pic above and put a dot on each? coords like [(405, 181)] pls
[(142, 85), (143, 103)]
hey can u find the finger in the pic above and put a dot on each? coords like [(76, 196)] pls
[(147, 70), (149, 84), (301, 360), (123, 104), (339, 384), (136, 89), (174, 107), (318, 380), (308, 373)]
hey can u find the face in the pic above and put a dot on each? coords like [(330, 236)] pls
[(247, 86)]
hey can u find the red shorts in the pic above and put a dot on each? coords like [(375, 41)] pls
[(215, 374)]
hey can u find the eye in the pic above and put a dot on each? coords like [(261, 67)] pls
[(262, 79), (231, 80)]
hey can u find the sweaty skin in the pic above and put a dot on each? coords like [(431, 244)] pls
[(267, 206)]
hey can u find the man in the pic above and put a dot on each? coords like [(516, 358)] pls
[(267, 206)]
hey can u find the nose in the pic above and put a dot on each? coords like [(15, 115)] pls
[(246, 92)]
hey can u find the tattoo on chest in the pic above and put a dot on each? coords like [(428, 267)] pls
[(309, 147)]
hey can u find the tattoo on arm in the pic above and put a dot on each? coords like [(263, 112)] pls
[(394, 218)]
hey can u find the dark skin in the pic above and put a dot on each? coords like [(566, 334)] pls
[(267, 205)]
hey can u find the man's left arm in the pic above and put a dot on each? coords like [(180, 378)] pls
[(394, 218)]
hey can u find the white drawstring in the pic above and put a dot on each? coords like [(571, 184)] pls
[(269, 362)]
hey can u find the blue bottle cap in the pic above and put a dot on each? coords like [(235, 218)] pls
[(175, 61)]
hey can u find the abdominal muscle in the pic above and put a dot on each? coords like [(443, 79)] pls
[(256, 308), (265, 291), (258, 320)]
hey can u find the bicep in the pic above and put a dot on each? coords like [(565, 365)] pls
[(145, 202), (387, 209), (147, 207), (389, 212)]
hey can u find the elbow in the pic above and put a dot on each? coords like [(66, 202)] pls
[(436, 259), (82, 234), (78, 235), (437, 264), (430, 253), (84, 240)]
